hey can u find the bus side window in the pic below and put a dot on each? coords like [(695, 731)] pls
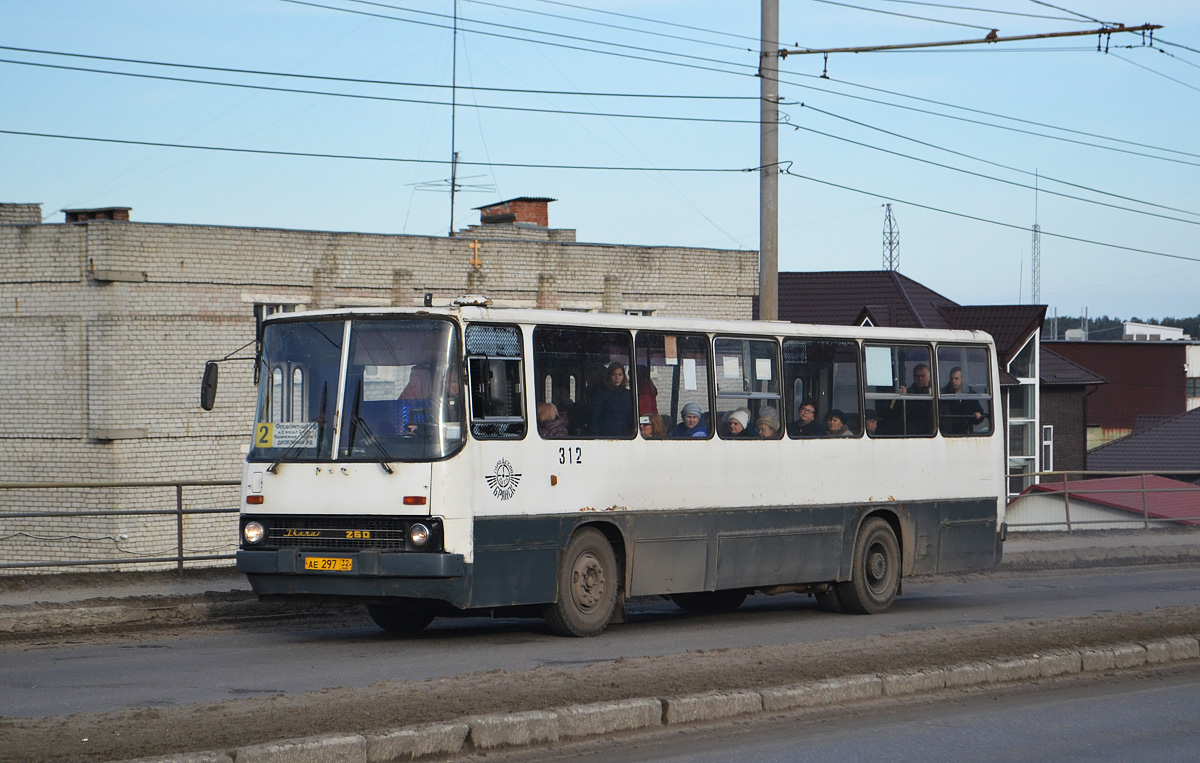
[(899, 389), (747, 372), (590, 379), (494, 369), (822, 373), (672, 371), (964, 395)]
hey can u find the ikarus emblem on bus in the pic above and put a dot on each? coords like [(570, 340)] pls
[(503, 480)]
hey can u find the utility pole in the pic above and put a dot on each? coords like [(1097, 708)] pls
[(768, 164), (891, 241)]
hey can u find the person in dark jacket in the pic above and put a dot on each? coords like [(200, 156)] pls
[(737, 424), (807, 425), (959, 416), (692, 424), (612, 405)]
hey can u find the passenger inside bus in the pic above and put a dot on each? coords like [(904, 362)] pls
[(550, 423), (737, 424), (612, 405), (835, 424), (692, 423), (767, 423), (652, 426), (872, 421), (806, 425), (647, 392)]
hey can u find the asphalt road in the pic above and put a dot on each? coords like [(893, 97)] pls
[(198, 665), (1145, 716)]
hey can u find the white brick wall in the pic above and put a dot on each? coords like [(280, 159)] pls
[(84, 358)]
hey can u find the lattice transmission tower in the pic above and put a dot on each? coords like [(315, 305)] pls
[(1036, 264), (891, 240)]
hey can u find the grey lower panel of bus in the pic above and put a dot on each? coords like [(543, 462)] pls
[(516, 557)]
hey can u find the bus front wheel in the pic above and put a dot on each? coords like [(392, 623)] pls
[(395, 618), (587, 586), (875, 571)]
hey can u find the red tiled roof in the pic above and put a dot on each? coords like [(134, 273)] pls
[(1172, 445), (1165, 498)]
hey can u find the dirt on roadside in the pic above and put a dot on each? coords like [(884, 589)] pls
[(225, 725)]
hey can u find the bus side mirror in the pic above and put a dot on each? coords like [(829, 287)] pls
[(208, 386)]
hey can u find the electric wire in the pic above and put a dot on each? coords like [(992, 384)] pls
[(1065, 10), (362, 81), (1176, 80), (972, 157), (361, 157), (781, 80), (992, 11), (649, 20), (384, 98), (461, 20), (901, 15), (609, 26), (982, 176), (1175, 45), (976, 218)]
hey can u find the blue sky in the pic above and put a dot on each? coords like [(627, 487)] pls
[(1115, 126)]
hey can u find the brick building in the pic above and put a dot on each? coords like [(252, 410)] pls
[(108, 322)]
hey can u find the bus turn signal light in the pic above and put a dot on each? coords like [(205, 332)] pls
[(255, 499), (414, 500)]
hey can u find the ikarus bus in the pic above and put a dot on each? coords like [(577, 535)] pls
[(430, 462)]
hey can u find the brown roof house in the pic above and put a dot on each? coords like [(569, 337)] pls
[(888, 298), (1171, 445)]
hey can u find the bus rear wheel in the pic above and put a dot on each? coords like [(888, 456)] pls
[(875, 571), (398, 618), (709, 601), (587, 586)]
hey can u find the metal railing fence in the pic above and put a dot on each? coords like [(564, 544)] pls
[(178, 511), (1074, 483)]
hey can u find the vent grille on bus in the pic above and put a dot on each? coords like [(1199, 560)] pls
[(345, 533)]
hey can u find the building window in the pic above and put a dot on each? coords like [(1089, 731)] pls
[(263, 309), (1024, 450), (1193, 387)]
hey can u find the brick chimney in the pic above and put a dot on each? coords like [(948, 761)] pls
[(533, 210), (120, 214)]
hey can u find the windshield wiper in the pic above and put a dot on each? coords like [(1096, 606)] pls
[(357, 421), (374, 442), (295, 446)]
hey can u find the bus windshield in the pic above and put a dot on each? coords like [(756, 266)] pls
[(402, 398)]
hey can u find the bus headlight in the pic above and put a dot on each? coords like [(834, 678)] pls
[(253, 532), (418, 534)]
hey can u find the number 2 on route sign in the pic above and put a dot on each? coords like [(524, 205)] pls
[(262, 434)]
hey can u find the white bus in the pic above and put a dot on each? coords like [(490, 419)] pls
[(438, 461)]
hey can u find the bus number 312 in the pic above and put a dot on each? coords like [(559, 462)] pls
[(570, 455)]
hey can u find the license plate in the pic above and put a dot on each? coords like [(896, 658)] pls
[(328, 564)]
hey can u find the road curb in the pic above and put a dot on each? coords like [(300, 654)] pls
[(508, 730)]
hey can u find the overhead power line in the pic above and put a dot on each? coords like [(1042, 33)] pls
[(363, 81), (390, 99), (609, 26), (989, 11), (365, 158), (976, 218), (1010, 168)]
